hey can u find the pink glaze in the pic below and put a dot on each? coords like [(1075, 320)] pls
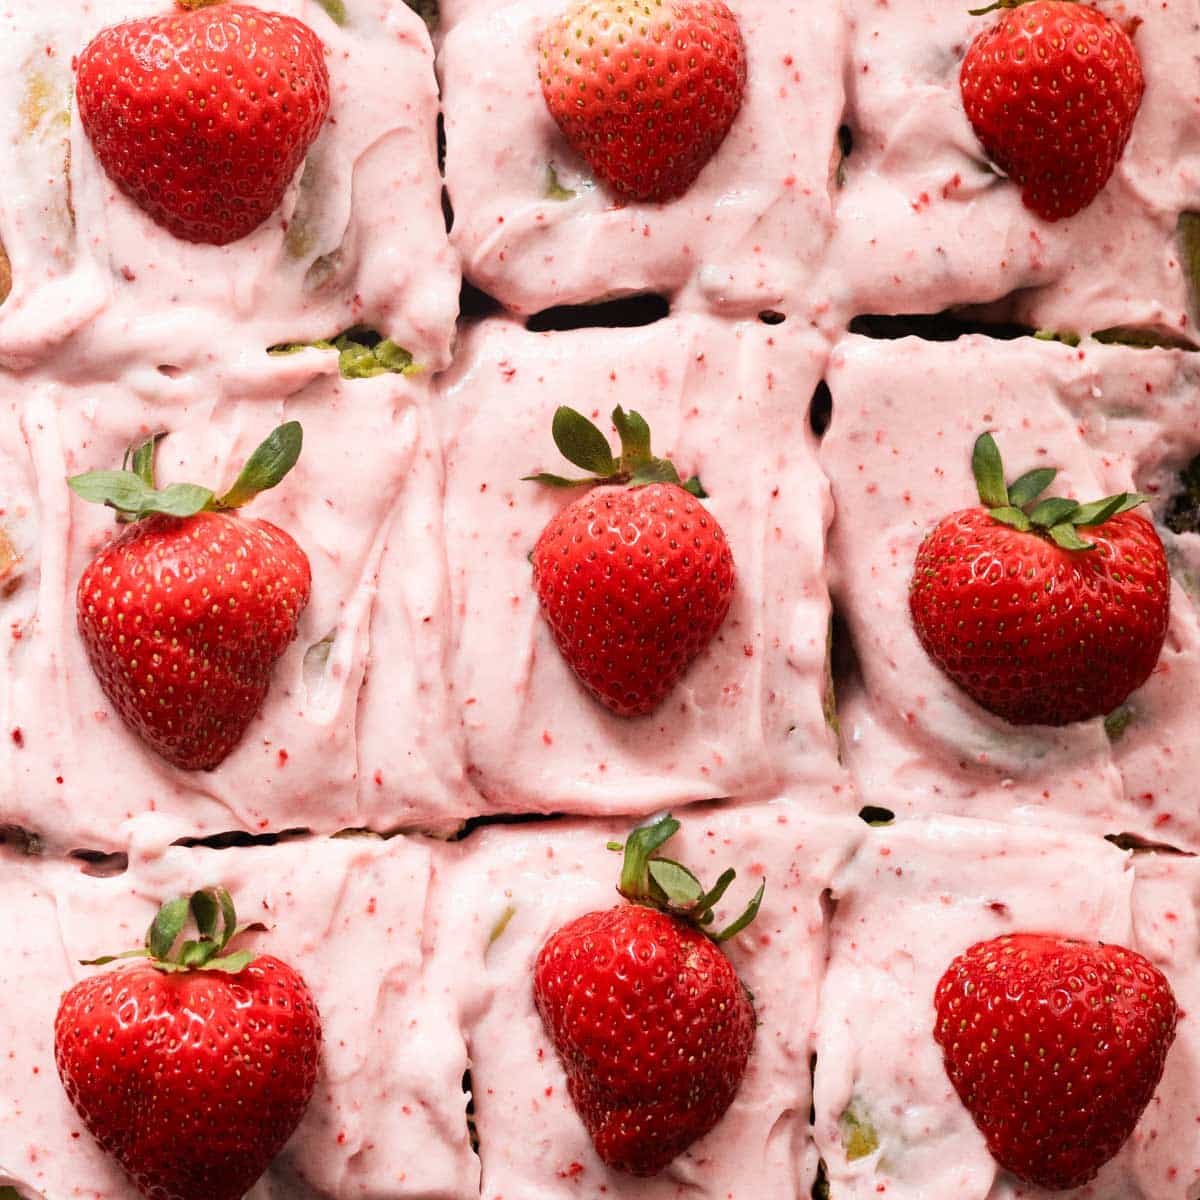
[(913, 897), (538, 878), (364, 505), (359, 239), (727, 403), (898, 457), (746, 236), (924, 224), (388, 1118)]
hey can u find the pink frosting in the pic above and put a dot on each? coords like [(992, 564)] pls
[(726, 403), (512, 888), (332, 748), (913, 897), (898, 457), (359, 239), (388, 1117)]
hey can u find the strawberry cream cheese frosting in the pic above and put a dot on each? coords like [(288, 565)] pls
[(428, 795), (359, 239), (898, 460)]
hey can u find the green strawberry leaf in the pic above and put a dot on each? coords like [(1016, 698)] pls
[(232, 964), (267, 466), (1011, 516), (167, 926), (140, 459), (557, 481), (581, 443), (205, 912), (105, 959), (635, 438), (1099, 511), (988, 468), (1066, 537), (679, 888), (1054, 511), (706, 903), (129, 493), (731, 931), (1030, 486), (657, 470)]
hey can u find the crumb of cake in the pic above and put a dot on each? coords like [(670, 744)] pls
[(10, 560), (362, 353), (858, 1134)]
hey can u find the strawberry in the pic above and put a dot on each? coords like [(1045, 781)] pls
[(644, 90), (185, 614), (1052, 90), (203, 117), (636, 577), (193, 1069), (1055, 1047), (1034, 623), (650, 1021)]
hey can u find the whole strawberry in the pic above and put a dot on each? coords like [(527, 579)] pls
[(644, 90), (1036, 624), (185, 613), (192, 1070), (1055, 1048), (648, 1017), (202, 117), (1052, 90), (635, 578)]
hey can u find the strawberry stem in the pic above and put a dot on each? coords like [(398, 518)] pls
[(1056, 517), (651, 880), (583, 445), (133, 493), (215, 917)]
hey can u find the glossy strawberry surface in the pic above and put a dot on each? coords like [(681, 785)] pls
[(192, 1082), (644, 90), (1035, 633), (635, 583), (183, 620), (1055, 1047), (653, 1027), (203, 117)]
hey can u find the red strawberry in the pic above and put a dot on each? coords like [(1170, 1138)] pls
[(185, 614), (644, 90), (194, 1069), (647, 1015), (1052, 90), (634, 580), (1055, 1047), (203, 117), (1035, 624)]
